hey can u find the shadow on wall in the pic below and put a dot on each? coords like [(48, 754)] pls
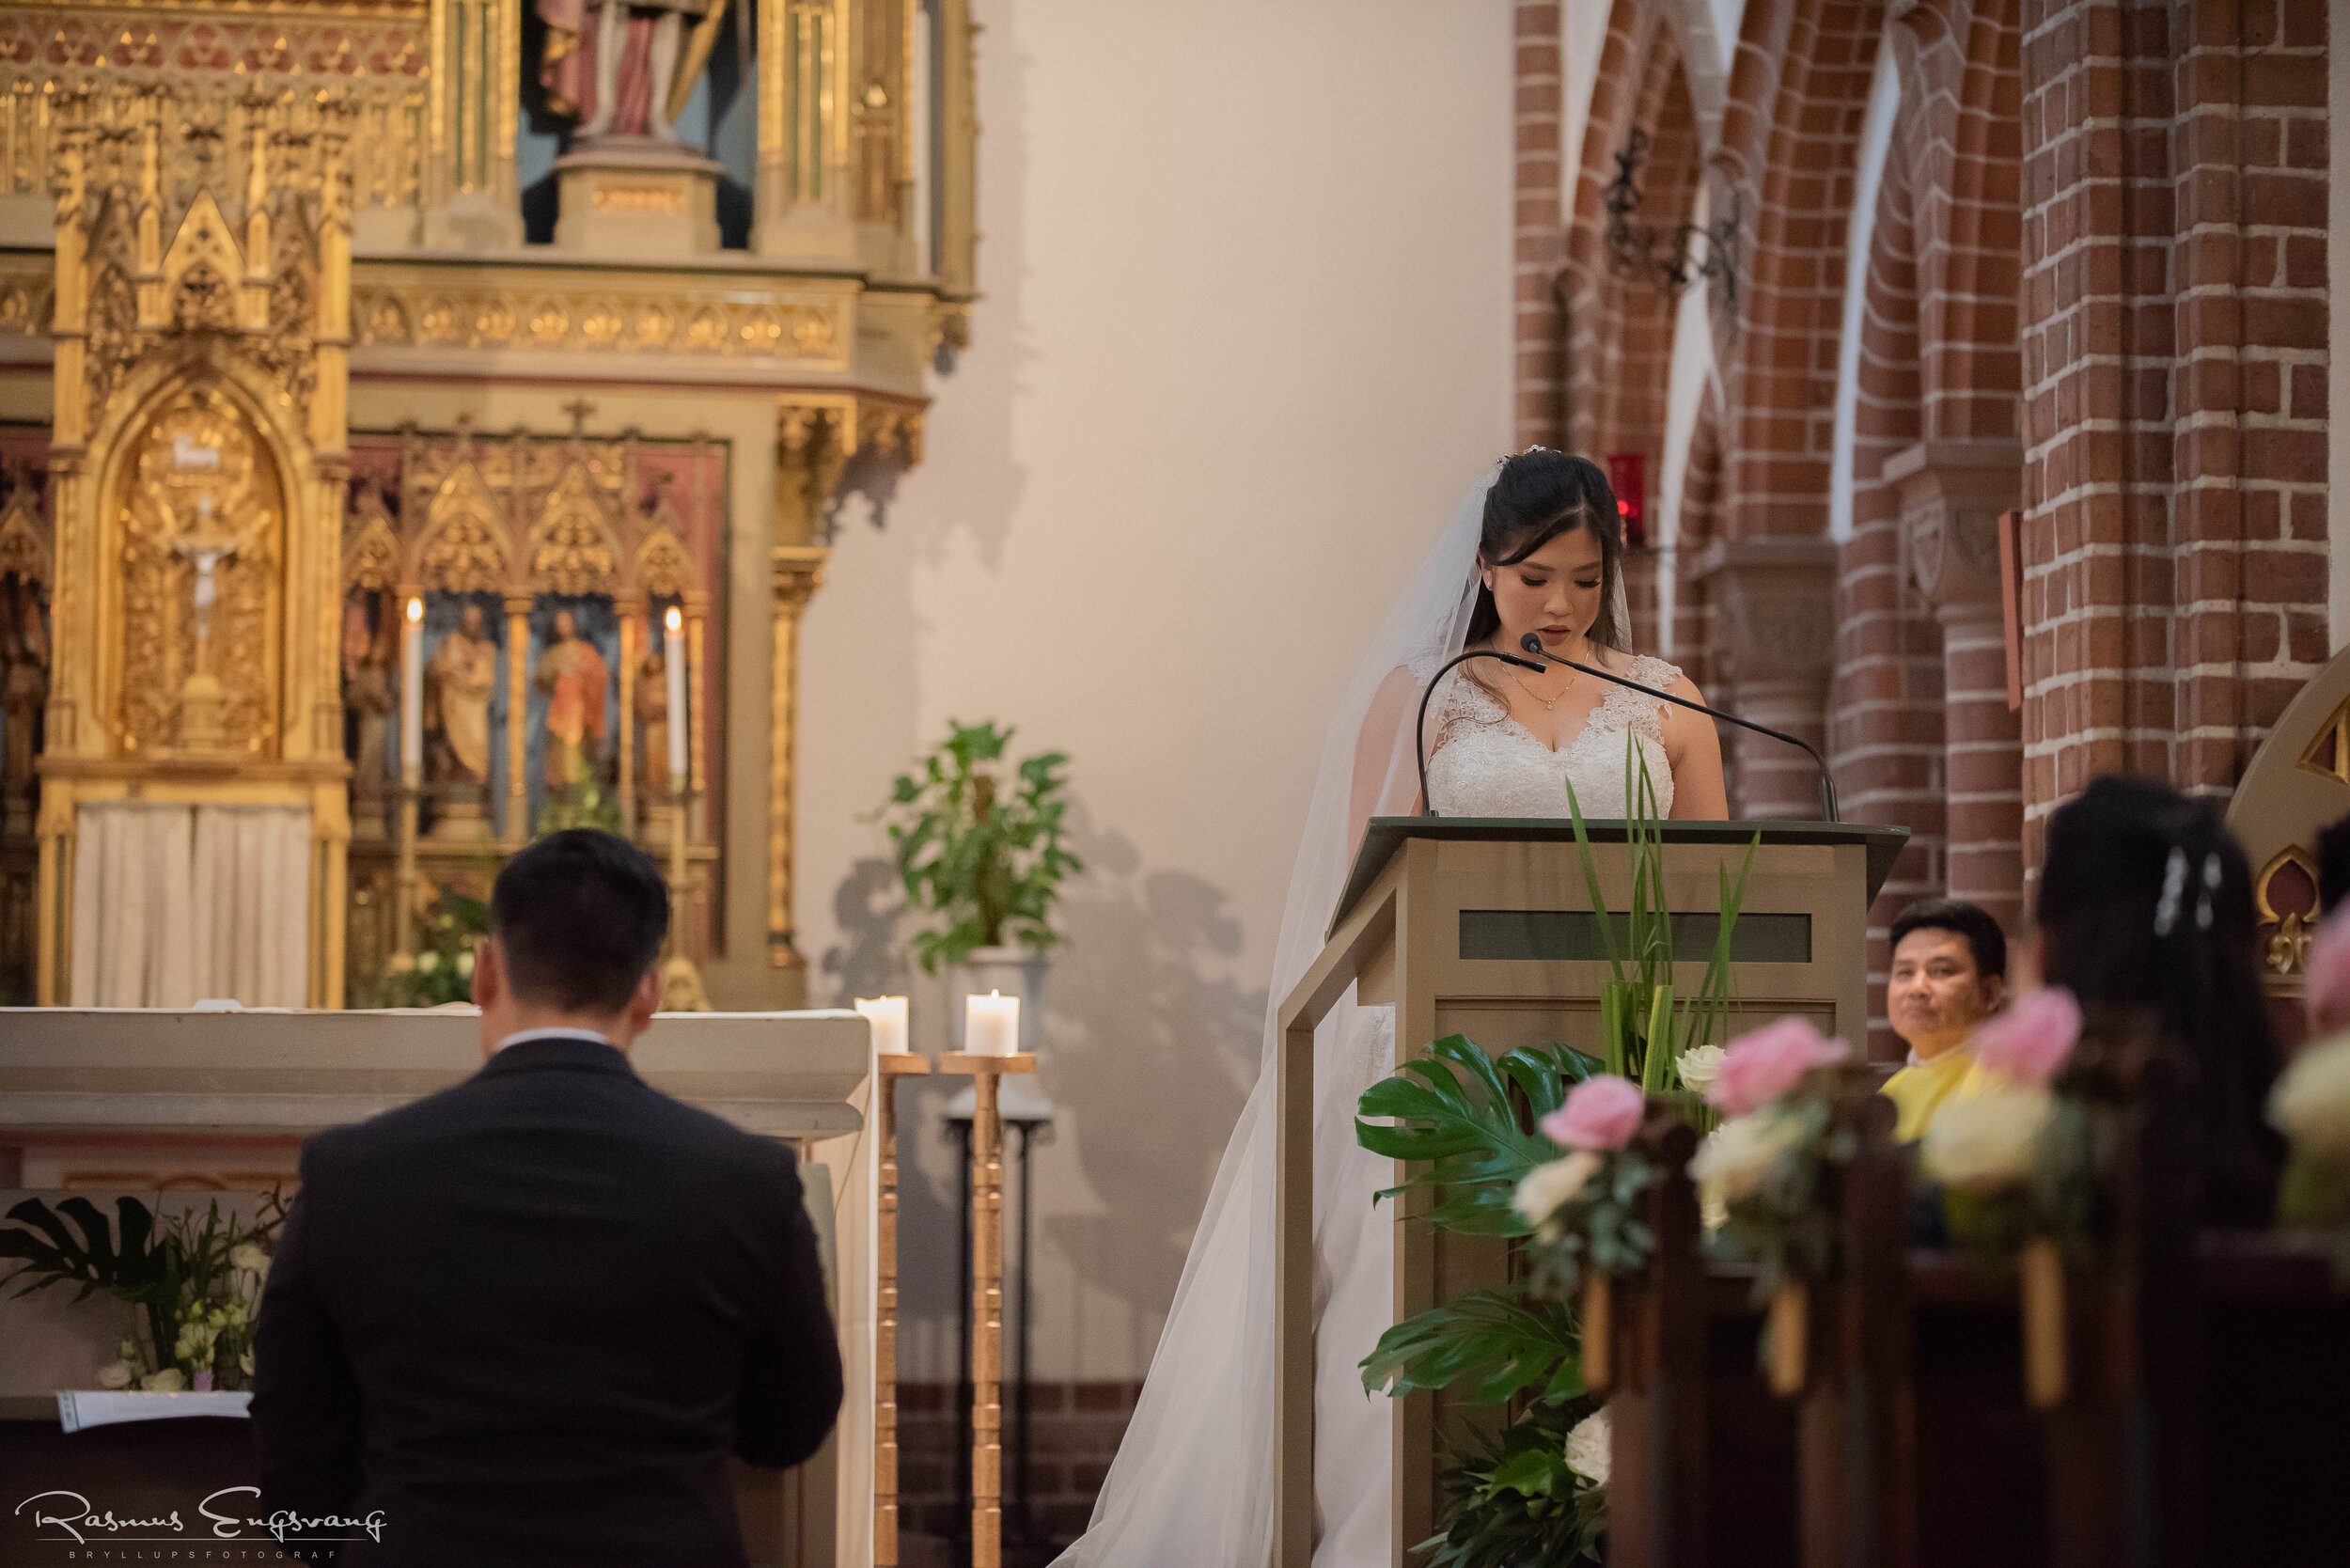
[(1148, 1050), (869, 908), (1155, 1050)]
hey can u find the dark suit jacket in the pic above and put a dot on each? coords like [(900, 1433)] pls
[(527, 1318)]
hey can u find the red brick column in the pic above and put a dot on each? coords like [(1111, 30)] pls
[(1538, 221), (2174, 344), (1953, 493), (1774, 637)]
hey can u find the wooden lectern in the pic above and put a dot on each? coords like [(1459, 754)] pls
[(1484, 927)]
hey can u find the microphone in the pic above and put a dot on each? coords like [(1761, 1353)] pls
[(1420, 726), (1532, 643)]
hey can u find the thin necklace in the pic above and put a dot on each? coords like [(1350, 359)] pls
[(1549, 703)]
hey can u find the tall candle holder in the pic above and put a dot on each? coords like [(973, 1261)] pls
[(987, 1295), (889, 1067)]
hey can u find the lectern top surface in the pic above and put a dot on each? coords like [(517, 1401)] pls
[(1384, 835)]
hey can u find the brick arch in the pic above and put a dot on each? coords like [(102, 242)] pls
[(1621, 320), (1584, 279), (1789, 152), (1962, 98), (1886, 735)]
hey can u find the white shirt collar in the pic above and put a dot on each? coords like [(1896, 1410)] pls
[(521, 1036)]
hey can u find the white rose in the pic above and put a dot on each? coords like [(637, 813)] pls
[(1699, 1065), (1737, 1158), (2311, 1103), (427, 962), (249, 1257), (171, 1380), (1588, 1447), (115, 1374), (1985, 1143), (464, 962), (1547, 1186)]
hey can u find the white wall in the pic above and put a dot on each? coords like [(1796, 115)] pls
[(1246, 337)]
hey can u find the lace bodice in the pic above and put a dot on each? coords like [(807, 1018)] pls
[(1482, 763)]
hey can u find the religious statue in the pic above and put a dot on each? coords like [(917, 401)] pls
[(23, 690), (625, 68), (457, 688), (574, 676), (652, 706), (369, 697)]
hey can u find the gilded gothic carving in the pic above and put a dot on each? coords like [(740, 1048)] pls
[(202, 512), (574, 548)]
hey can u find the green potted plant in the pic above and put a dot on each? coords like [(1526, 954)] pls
[(978, 843)]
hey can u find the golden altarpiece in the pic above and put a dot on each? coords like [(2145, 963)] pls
[(422, 423)]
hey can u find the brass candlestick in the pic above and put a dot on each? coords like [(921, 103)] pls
[(987, 1297), (889, 1067), (404, 916), (680, 982)]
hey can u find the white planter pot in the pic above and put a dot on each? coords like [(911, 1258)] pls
[(1009, 972)]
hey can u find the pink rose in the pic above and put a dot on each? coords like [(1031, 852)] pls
[(2029, 1042), (1761, 1066), (1600, 1113), (2325, 994)]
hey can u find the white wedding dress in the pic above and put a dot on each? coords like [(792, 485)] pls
[(1192, 1483)]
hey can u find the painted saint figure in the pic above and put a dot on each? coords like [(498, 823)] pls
[(652, 708), (574, 676), (457, 686), (625, 68)]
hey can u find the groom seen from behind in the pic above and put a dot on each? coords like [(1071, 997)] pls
[(527, 1319)]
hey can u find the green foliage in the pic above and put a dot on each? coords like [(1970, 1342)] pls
[(1516, 1503), (1454, 1110), (191, 1306), (579, 804), (1599, 1227), (1637, 1004), (987, 861), (441, 970), (1496, 1342)]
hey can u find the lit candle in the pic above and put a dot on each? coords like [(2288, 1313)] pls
[(889, 1014), (412, 697), (673, 658), (991, 1024)]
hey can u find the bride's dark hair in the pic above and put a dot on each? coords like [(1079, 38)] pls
[(1537, 496)]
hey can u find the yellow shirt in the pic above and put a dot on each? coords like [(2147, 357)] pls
[(1919, 1091)]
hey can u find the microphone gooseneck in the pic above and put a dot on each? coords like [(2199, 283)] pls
[(1420, 724), (1532, 643)]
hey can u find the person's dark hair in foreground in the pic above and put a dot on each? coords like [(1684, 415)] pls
[(525, 1322), (2146, 903)]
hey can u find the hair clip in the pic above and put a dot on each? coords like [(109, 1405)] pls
[(2173, 885)]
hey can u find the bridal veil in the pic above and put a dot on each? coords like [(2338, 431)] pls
[(1193, 1481)]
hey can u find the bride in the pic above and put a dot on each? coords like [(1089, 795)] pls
[(1537, 548)]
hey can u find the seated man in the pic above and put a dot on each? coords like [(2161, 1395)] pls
[(1950, 973)]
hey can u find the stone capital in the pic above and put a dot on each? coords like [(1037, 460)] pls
[(1953, 493), (1777, 597)]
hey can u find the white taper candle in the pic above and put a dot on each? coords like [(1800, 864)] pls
[(412, 697), (673, 659)]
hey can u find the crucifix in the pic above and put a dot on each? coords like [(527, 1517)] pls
[(205, 551)]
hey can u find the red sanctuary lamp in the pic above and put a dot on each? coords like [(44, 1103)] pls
[(1627, 476)]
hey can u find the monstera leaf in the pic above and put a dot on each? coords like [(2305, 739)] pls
[(1453, 1109), (139, 1268), (1496, 1342)]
